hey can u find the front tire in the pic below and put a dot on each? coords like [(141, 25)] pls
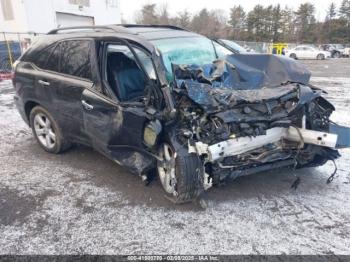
[(320, 57), (180, 173), (336, 55), (46, 131)]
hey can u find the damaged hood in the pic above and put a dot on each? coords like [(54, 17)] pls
[(240, 78), (245, 71)]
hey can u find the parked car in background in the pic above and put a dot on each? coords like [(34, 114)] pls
[(346, 51), (5, 59), (233, 46), (307, 52), (336, 50)]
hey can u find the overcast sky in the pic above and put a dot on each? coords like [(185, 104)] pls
[(130, 7)]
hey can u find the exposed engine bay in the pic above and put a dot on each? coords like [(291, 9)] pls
[(239, 116), (239, 129)]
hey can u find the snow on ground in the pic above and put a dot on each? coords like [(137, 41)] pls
[(80, 202)]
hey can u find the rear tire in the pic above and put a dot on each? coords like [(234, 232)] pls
[(293, 56), (185, 181), (47, 132), (320, 57)]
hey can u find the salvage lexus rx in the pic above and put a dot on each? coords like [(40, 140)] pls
[(160, 98)]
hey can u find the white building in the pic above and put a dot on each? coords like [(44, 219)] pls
[(41, 16)]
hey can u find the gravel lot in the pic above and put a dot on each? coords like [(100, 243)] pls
[(80, 202)]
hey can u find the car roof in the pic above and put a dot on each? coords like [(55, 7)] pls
[(146, 32), (140, 34), (155, 32)]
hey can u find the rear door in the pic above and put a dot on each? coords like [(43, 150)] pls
[(63, 71), (46, 78), (309, 52), (76, 74)]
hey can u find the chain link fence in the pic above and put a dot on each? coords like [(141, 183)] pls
[(261, 47)]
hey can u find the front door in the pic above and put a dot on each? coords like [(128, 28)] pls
[(111, 125), (114, 116)]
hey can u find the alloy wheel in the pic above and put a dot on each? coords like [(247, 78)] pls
[(166, 169), (44, 131)]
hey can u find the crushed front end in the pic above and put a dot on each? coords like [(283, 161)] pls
[(245, 119)]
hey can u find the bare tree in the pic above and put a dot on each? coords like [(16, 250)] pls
[(147, 15), (164, 17)]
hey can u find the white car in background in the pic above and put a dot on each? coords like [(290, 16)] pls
[(347, 51), (307, 52)]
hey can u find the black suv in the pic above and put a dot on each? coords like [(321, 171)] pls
[(160, 98)]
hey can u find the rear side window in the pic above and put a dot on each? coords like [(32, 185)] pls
[(75, 58), (42, 58), (53, 61), (69, 57)]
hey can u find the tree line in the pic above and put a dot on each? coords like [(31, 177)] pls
[(272, 23)]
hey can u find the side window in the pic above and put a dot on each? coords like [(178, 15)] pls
[(125, 77), (146, 62), (43, 56), (75, 58), (52, 63)]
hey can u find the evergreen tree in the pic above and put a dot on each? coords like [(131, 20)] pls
[(344, 10), (331, 12), (305, 20), (237, 21)]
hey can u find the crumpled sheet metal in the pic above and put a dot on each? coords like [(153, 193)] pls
[(239, 78), (212, 99), (136, 162)]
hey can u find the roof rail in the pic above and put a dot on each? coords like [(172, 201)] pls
[(114, 28), (154, 26)]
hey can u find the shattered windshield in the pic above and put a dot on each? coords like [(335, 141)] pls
[(186, 50)]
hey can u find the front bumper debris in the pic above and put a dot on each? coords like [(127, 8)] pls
[(343, 133), (237, 146)]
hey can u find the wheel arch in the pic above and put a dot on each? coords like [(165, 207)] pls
[(321, 56), (28, 107), (293, 55)]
